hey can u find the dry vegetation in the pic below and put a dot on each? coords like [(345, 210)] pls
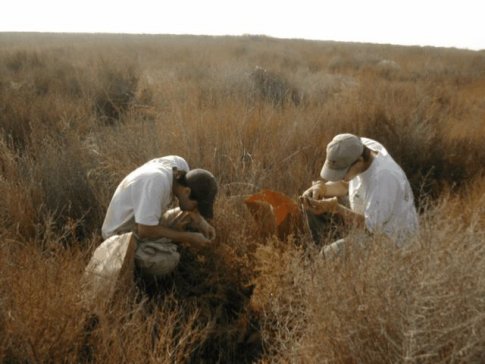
[(78, 112)]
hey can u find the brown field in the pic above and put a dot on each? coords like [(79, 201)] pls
[(78, 112)]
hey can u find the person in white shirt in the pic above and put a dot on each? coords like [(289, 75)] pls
[(141, 205), (380, 196)]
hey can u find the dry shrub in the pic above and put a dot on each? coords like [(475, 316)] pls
[(50, 187), (116, 89), (279, 296), (40, 91), (355, 61), (23, 59), (42, 318), (319, 88), (129, 331), (216, 282), (200, 314), (18, 207), (273, 88), (243, 85), (62, 174), (14, 120), (422, 304)]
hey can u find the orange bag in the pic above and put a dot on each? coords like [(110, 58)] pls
[(274, 212)]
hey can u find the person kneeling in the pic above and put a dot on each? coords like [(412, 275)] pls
[(379, 193), (141, 203)]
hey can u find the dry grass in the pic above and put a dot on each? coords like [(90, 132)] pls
[(78, 112)]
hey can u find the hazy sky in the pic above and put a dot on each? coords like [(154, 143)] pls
[(410, 22)]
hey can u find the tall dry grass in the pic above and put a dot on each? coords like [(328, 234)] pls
[(422, 304), (78, 112)]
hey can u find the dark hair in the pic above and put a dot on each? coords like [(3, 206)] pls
[(366, 154), (203, 189), (181, 178)]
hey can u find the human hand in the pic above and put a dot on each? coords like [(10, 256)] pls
[(316, 191), (319, 207), (203, 226), (198, 239), (209, 231)]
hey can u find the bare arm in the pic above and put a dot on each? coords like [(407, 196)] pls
[(202, 225), (335, 189), (321, 189)]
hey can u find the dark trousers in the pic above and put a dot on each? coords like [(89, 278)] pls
[(325, 228)]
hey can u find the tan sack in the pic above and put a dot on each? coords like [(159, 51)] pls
[(110, 268)]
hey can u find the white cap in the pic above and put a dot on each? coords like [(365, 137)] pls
[(342, 152)]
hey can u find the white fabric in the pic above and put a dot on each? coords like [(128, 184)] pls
[(142, 196), (383, 195), (110, 266)]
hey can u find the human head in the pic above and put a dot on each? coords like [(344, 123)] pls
[(343, 151), (199, 189)]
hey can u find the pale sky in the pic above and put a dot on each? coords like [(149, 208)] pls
[(442, 23)]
